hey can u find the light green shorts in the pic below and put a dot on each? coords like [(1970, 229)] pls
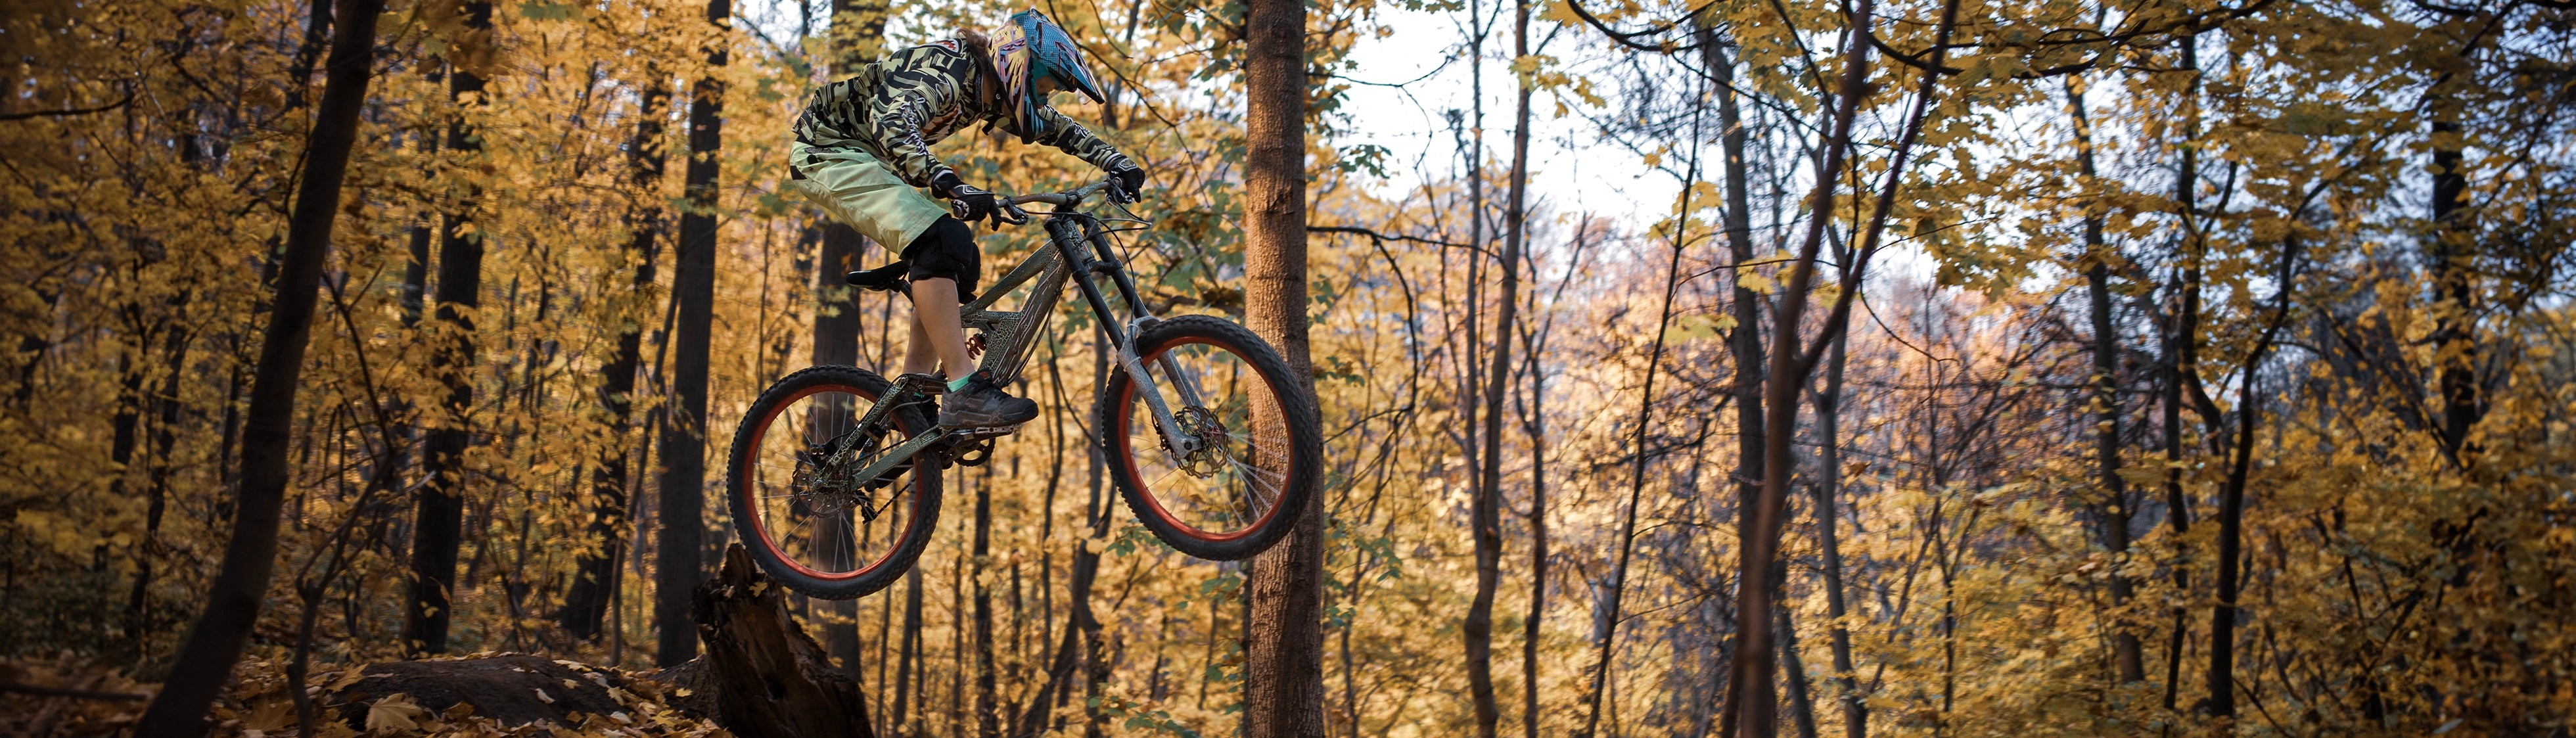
[(853, 186)]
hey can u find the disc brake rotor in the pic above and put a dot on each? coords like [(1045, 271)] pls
[(1210, 457)]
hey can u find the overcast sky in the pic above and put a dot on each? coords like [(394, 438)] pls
[(1570, 169)]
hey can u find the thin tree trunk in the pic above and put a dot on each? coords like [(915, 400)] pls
[(1536, 427), (1605, 632), (205, 659), (858, 32), (595, 573), (157, 493), (987, 708), (1086, 567), (2181, 336), (1476, 631), (2221, 678), (682, 561), (1829, 483), (1284, 673), (438, 525), (2114, 511), (2231, 501), (904, 689), (1082, 628), (1792, 359), (2453, 260), (1754, 694), (1489, 489), (1802, 707), (1744, 341)]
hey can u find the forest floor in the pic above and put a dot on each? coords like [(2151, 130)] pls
[(761, 675), (484, 694)]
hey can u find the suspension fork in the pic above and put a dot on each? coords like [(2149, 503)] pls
[(1062, 232), (1185, 384)]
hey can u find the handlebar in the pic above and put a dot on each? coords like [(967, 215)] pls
[(1011, 212)]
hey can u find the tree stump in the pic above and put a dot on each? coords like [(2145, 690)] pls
[(765, 675)]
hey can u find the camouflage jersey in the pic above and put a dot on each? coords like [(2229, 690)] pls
[(896, 107)]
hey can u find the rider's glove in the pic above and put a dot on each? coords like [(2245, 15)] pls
[(1129, 185), (966, 202)]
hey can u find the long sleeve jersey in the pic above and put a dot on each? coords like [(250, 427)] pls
[(896, 107)]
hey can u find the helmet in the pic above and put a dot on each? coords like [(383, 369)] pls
[(1033, 48)]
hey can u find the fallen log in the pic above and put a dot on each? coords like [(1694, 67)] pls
[(760, 676), (765, 676), (514, 690)]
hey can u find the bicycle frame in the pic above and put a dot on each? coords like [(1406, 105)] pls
[(1063, 260)]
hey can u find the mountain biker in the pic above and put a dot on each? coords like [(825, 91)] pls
[(863, 144)]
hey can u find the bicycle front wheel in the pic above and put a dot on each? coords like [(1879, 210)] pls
[(797, 502), (1249, 452)]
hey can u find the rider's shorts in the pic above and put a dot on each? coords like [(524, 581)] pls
[(855, 188)]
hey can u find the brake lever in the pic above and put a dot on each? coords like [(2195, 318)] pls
[(957, 208)]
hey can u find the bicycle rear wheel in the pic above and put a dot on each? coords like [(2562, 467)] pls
[(1259, 451), (796, 502)]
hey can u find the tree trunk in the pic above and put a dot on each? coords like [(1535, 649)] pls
[(1489, 489), (905, 685), (1829, 484), (1605, 632), (1535, 425), (987, 708), (438, 524), (156, 495), (2452, 256), (1284, 673), (1802, 707), (680, 562), (1755, 693), (2221, 678), (858, 36), (2231, 500), (205, 659), (769, 678), (1744, 341), (2114, 509), (2182, 333), (595, 574)]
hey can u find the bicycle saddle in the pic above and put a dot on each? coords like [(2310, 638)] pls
[(888, 278)]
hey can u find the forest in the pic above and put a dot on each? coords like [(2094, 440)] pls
[(1965, 368)]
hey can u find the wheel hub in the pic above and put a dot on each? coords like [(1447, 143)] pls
[(822, 484)]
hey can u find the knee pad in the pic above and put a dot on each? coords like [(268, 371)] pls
[(947, 250)]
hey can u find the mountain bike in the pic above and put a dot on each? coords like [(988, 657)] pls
[(834, 476)]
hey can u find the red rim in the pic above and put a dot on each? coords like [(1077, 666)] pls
[(1127, 452), (759, 528)]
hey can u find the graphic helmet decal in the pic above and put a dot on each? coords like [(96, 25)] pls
[(1032, 48)]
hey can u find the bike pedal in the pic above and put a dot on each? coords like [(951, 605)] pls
[(965, 435)]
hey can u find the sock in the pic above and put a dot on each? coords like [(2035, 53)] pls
[(959, 383)]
